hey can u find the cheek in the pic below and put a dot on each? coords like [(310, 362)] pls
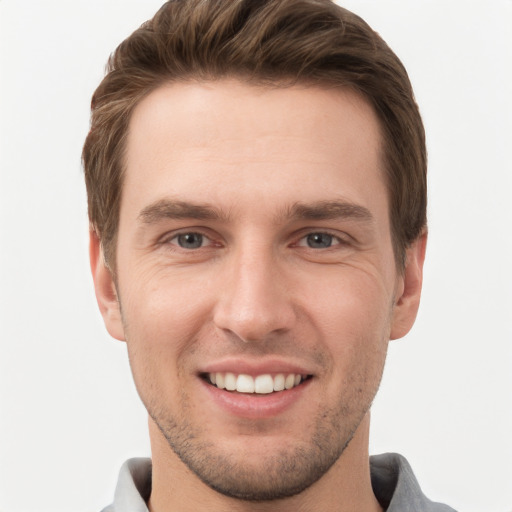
[(351, 304), (161, 338), (354, 319), (164, 319), (166, 304)]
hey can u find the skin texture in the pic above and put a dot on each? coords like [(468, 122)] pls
[(255, 172)]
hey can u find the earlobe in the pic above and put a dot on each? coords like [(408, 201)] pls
[(408, 299), (105, 289)]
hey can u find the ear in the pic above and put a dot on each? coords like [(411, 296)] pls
[(407, 300), (105, 288)]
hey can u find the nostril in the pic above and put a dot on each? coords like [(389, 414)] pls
[(252, 309)]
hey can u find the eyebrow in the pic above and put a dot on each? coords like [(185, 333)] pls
[(169, 209), (330, 210), (319, 210)]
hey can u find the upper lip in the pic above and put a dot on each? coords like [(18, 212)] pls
[(255, 367)]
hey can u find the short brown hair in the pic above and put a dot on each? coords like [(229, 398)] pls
[(274, 42)]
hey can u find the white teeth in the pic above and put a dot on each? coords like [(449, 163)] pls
[(245, 384), (279, 382), (264, 384), (289, 382), (261, 384), (219, 380), (230, 381)]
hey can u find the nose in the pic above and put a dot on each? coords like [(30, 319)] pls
[(255, 302)]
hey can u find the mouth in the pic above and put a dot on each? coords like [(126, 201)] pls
[(264, 384)]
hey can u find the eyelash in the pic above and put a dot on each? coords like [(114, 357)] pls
[(301, 242), (169, 240), (336, 240)]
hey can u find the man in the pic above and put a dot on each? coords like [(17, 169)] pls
[(256, 176)]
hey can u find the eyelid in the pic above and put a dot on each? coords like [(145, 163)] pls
[(172, 235), (340, 238), (204, 240), (213, 239)]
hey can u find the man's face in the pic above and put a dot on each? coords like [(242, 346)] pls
[(254, 250)]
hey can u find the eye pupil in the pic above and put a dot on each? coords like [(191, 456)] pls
[(319, 240), (190, 240)]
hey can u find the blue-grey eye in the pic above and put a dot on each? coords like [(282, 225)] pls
[(190, 240), (319, 240)]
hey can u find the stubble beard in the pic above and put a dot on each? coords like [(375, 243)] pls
[(283, 474)]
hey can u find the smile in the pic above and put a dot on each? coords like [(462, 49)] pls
[(261, 384)]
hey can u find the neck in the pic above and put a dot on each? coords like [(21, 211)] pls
[(346, 487)]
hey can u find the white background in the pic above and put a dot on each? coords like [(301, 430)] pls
[(69, 415)]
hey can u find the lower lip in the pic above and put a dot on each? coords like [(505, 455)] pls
[(254, 405)]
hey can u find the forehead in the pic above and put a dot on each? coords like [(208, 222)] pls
[(226, 142)]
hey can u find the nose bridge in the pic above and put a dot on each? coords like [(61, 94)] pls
[(254, 301)]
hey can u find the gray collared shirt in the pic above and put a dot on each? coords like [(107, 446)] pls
[(393, 481)]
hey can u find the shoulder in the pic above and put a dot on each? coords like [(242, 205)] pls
[(133, 487), (396, 487)]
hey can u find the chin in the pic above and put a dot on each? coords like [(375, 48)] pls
[(258, 467)]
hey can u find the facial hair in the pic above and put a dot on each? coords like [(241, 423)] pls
[(282, 474)]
